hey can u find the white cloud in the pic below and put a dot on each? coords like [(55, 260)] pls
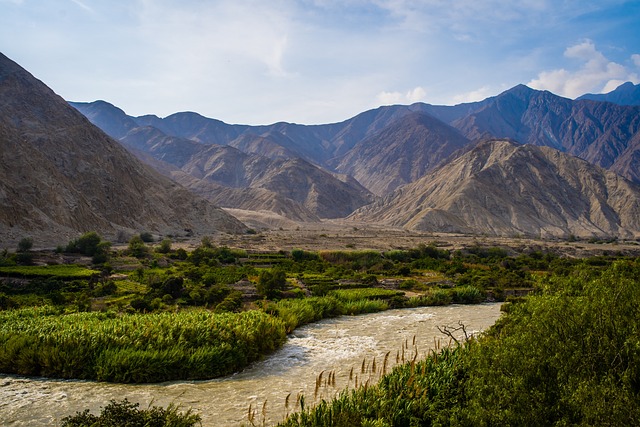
[(83, 6), (475, 95), (219, 31), (636, 59), (596, 73), (417, 94)]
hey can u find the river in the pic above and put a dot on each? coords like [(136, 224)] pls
[(317, 361)]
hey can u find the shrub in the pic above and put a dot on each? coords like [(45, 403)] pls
[(164, 247), (125, 413), (146, 237), (101, 254), (25, 244), (137, 248), (271, 283), (87, 244)]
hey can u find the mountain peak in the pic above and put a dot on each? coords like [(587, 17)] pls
[(499, 188), (625, 94), (61, 176)]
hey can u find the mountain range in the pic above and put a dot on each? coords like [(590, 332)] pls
[(61, 176), (379, 151), (502, 188), (524, 162)]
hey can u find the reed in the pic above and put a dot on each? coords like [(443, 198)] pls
[(134, 348)]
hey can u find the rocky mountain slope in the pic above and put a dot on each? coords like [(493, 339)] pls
[(625, 94), (501, 188), (265, 175), (242, 166), (601, 133), (61, 176), (400, 153)]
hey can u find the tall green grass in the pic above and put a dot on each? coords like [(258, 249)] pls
[(134, 348), (61, 271), (298, 312)]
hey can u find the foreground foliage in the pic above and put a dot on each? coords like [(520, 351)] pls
[(125, 413), (568, 356), (194, 344)]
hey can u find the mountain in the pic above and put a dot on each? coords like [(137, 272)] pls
[(258, 167), (274, 177), (401, 152), (61, 176), (293, 188), (625, 94), (601, 133), (504, 189)]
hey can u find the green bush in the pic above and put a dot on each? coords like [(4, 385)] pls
[(137, 247), (25, 244), (125, 413), (87, 244), (271, 283)]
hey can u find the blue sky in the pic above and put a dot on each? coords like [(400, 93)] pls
[(317, 61)]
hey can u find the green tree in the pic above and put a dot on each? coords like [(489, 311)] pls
[(101, 254), (271, 283), (87, 244), (137, 248), (164, 247), (25, 244)]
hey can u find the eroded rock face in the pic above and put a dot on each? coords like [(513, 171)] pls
[(400, 153), (61, 176), (501, 188)]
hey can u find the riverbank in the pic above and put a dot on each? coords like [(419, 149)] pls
[(336, 345)]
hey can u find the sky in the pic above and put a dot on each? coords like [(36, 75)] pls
[(317, 61)]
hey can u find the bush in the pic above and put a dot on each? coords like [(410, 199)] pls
[(87, 244), (146, 237), (101, 254), (125, 413), (25, 244), (164, 247), (137, 248), (271, 283)]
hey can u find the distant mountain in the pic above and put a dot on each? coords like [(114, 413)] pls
[(293, 188), (61, 176), (401, 152), (601, 133), (625, 94), (279, 180), (500, 188), (380, 149)]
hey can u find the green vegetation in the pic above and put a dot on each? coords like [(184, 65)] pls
[(60, 271), (568, 355), (150, 291), (190, 344), (125, 413)]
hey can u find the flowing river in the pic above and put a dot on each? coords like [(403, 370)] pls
[(317, 361)]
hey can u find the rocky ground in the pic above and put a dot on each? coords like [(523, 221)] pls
[(346, 235)]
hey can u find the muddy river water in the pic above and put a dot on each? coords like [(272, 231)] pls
[(317, 361)]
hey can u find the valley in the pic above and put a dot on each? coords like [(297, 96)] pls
[(182, 256)]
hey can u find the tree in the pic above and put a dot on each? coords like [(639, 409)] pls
[(164, 247), (101, 254), (271, 283), (87, 244), (23, 255), (25, 244), (137, 248)]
